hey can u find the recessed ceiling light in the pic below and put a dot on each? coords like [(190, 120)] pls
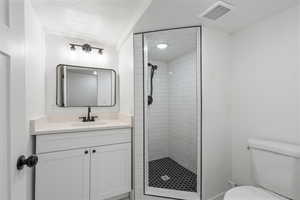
[(162, 46)]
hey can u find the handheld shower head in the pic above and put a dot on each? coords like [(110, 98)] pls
[(154, 67)]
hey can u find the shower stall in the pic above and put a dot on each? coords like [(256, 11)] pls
[(168, 114)]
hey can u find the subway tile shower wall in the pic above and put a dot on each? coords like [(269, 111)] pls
[(172, 117)]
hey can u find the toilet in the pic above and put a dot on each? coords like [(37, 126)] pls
[(276, 169)]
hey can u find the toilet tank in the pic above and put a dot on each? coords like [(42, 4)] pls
[(276, 167)]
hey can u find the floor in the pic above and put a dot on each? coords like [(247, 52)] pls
[(168, 174)]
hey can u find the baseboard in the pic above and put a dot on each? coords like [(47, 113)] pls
[(120, 197), (219, 196)]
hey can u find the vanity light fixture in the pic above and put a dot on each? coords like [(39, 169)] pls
[(162, 46), (86, 48)]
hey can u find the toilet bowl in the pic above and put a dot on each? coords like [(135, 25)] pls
[(251, 193), (276, 170)]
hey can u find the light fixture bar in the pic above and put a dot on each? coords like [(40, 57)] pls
[(86, 47)]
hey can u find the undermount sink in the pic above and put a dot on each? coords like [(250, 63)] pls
[(89, 123)]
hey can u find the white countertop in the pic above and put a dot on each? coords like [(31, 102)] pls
[(46, 125)]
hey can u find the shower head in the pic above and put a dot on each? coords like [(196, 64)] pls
[(154, 67)]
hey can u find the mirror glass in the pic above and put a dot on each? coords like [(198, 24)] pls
[(172, 133), (85, 86)]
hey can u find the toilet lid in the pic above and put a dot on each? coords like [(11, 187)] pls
[(250, 193)]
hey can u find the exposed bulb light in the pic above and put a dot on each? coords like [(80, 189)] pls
[(95, 73), (162, 46), (72, 47), (87, 48)]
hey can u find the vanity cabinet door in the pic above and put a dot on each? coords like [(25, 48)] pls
[(63, 175), (110, 171)]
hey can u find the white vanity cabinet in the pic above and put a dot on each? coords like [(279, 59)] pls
[(110, 171), (92, 165), (63, 175)]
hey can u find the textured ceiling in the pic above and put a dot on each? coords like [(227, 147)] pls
[(106, 21)]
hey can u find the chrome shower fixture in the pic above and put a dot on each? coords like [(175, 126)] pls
[(86, 48)]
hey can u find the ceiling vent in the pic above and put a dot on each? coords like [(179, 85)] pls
[(219, 9)]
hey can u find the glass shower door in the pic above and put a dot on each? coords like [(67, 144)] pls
[(172, 113)]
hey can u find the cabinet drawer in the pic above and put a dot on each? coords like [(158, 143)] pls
[(65, 141)]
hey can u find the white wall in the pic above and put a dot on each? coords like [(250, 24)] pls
[(158, 137), (182, 112), (126, 76), (35, 64), (265, 87), (216, 136), (58, 52)]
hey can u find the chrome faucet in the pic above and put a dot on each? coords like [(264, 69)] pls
[(89, 117)]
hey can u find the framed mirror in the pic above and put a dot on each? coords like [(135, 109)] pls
[(78, 86)]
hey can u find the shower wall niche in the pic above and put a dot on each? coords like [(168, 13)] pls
[(172, 113)]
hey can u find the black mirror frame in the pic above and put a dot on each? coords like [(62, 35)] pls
[(95, 68)]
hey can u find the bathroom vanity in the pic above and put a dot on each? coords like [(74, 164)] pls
[(82, 160)]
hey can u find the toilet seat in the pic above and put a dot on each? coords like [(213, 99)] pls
[(251, 193)]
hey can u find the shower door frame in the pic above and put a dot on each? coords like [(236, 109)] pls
[(161, 193)]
